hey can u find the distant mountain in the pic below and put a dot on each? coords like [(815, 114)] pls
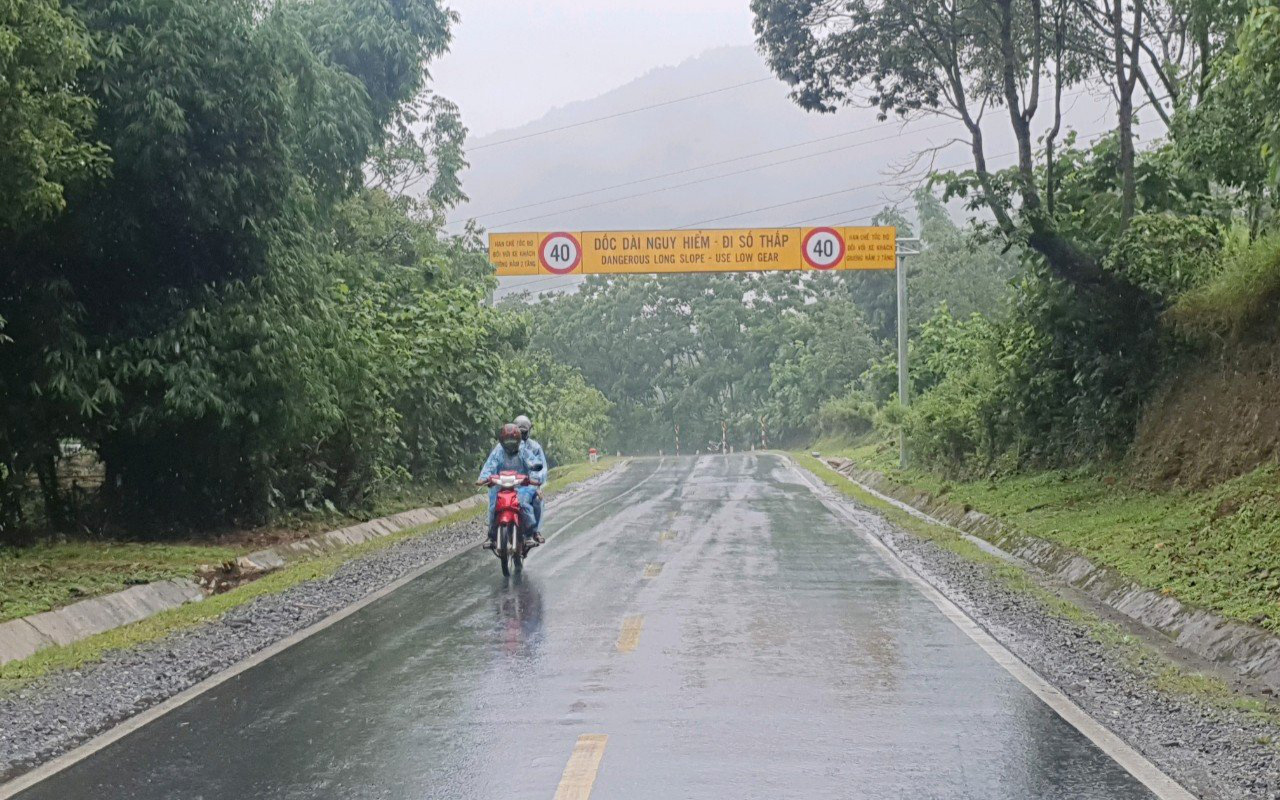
[(857, 178)]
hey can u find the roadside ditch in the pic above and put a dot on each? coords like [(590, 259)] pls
[(1215, 742)]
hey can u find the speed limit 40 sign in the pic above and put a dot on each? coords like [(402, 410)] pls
[(823, 248), (560, 253)]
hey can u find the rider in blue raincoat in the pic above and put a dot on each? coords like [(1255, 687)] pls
[(510, 455), (535, 454)]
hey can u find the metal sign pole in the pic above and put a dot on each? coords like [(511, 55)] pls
[(904, 392), (903, 400)]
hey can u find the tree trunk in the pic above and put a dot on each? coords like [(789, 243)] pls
[(1128, 180), (1126, 70), (47, 473), (1065, 259)]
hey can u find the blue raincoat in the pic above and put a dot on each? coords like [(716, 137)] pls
[(499, 461), (534, 454)]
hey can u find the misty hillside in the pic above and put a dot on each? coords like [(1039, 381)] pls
[(682, 136)]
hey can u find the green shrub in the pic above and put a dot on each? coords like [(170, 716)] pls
[(847, 417), (1166, 254), (1242, 296), (953, 422)]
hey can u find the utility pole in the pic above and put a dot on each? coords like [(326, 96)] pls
[(904, 399), (677, 438), (764, 435), (724, 437)]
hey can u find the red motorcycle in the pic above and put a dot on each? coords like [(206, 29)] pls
[(510, 546)]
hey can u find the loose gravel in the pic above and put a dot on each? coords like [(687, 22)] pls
[(59, 711), (1216, 753), (63, 709)]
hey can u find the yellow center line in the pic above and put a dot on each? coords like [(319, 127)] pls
[(630, 635), (580, 773), (666, 536), (653, 570)]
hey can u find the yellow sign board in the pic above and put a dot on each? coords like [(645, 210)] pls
[(739, 250)]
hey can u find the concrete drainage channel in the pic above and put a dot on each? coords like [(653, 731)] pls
[(1246, 651), (56, 712), (22, 638)]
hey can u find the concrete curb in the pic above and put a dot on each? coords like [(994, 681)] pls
[(24, 637), (274, 558), (1251, 652)]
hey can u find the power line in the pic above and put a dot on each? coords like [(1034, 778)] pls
[(1088, 139), (700, 167), (616, 115), (851, 189), (702, 222), (676, 173), (708, 179), (879, 204)]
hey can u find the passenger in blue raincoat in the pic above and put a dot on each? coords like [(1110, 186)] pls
[(535, 455), (510, 455)]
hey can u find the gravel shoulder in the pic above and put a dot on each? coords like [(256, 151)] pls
[(61, 710), (1214, 750)]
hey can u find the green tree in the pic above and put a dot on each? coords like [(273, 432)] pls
[(44, 117), (182, 315), (956, 268), (942, 57)]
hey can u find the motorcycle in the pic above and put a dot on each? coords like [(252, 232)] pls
[(511, 546)]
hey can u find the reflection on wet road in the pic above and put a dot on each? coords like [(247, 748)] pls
[(728, 634)]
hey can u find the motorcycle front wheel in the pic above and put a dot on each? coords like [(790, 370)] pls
[(506, 547)]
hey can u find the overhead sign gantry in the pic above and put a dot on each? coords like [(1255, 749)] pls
[(710, 250)]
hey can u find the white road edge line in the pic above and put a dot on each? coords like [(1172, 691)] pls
[(112, 735), (1136, 764)]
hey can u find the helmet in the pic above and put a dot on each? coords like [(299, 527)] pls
[(525, 425), (509, 437)]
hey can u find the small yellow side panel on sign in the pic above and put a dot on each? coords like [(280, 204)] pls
[(870, 248), (515, 253), (737, 250)]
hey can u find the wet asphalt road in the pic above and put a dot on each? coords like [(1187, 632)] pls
[(729, 634)]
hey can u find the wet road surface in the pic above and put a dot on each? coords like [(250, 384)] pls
[(728, 633)]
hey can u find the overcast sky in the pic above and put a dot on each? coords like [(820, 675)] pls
[(513, 60)]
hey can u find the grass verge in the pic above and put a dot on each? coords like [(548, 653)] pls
[(48, 575), (1140, 658), (1217, 548), (569, 474), (16, 674), (51, 574), (19, 673)]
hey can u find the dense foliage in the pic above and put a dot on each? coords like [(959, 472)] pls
[(216, 277), (42, 114), (757, 359), (1040, 330), (224, 270), (1111, 237)]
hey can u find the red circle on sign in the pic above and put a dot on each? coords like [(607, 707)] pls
[(804, 247), (542, 257)]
